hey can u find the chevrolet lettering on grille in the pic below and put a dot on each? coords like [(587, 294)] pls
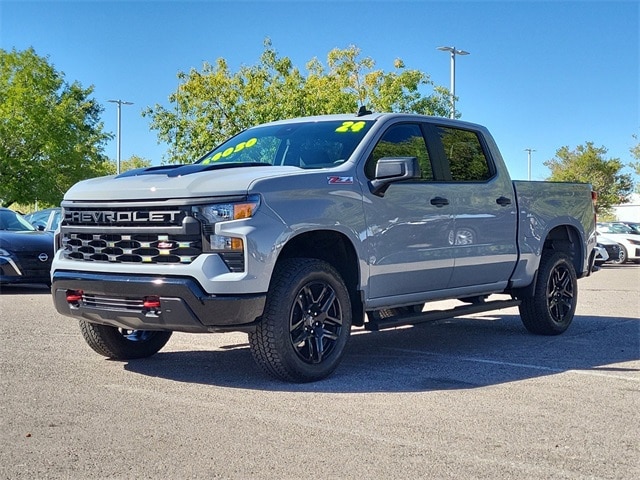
[(102, 216)]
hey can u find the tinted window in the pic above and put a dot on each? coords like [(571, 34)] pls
[(12, 221), (404, 140), (465, 155), (302, 144)]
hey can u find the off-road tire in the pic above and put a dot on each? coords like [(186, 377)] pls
[(122, 344), (306, 322), (551, 309)]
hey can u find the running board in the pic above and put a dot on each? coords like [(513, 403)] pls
[(413, 318)]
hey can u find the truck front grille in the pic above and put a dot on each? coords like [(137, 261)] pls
[(131, 248)]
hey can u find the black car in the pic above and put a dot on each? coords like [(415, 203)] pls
[(612, 248), (25, 253)]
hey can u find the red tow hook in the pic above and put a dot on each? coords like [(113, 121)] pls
[(74, 297), (151, 303)]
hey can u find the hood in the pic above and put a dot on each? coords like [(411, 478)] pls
[(176, 181), (26, 241)]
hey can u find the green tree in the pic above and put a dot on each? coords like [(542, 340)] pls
[(588, 164), (131, 163), (215, 103), (50, 131), (635, 153)]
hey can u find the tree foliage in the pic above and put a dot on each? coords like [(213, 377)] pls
[(635, 153), (50, 131), (214, 103), (587, 163), (131, 163)]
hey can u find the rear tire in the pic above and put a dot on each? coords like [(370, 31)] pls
[(123, 344), (551, 309), (306, 322)]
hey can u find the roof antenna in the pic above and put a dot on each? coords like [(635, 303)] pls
[(362, 111)]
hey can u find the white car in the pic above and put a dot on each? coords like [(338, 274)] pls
[(629, 243)]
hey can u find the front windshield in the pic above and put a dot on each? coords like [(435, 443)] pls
[(13, 222), (310, 144)]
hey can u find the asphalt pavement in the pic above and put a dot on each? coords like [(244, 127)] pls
[(470, 398)]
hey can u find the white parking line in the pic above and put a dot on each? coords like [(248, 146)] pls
[(521, 365)]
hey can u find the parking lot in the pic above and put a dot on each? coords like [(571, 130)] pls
[(465, 398)]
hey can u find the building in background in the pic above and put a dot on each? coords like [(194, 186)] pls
[(629, 212)]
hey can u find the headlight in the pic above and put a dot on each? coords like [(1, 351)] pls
[(4, 253), (222, 212), (230, 249)]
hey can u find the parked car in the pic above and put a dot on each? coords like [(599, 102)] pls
[(47, 219), (634, 226), (25, 253), (601, 255), (623, 235), (611, 251)]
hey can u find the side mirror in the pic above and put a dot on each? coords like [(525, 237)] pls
[(393, 169)]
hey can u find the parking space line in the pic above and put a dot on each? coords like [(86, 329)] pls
[(518, 365)]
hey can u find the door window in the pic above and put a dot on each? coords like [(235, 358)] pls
[(401, 140), (465, 155)]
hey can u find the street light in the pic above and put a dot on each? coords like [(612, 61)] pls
[(118, 131), (529, 150), (453, 51)]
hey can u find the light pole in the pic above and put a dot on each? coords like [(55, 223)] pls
[(453, 51), (529, 150), (118, 131)]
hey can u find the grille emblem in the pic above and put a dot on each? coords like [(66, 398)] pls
[(43, 257)]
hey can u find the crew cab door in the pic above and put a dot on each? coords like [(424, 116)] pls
[(408, 229), (482, 202)]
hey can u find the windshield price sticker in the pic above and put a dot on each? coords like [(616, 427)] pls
[(350, 126), (231, 150)]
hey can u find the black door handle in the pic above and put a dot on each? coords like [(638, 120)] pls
[(439, 202), (504, 201)]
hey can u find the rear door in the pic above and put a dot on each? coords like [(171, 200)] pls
[(408, 229), (483, 206)]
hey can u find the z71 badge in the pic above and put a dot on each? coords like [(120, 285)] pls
[(337, 180)]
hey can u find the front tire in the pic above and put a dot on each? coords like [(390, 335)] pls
[(306, 322), (622, 258), (551, 309), (123, 344)]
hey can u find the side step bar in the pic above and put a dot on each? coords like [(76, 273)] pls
[(413, 318)]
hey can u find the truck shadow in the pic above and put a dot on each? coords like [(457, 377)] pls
[(25, 289), (444, 355)]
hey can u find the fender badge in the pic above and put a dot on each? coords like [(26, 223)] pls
[(337, 180)]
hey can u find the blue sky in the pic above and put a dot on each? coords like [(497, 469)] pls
[(541, 74)]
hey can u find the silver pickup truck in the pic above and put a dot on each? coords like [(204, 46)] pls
[(297, 230)]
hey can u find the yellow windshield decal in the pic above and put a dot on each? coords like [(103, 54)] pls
[(350, 126), (231, 150)]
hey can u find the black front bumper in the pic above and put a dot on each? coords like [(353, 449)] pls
[(119, 301)]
